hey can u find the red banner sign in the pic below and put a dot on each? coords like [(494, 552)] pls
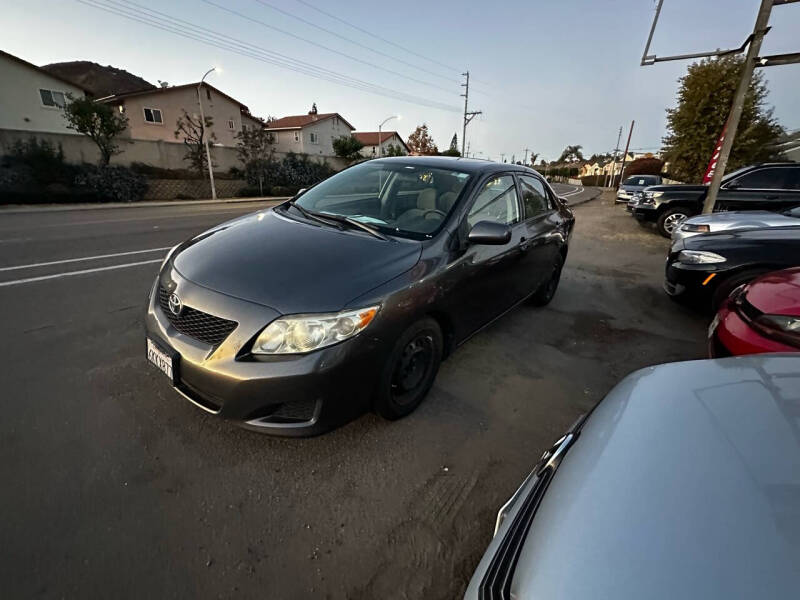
[(712, 164)]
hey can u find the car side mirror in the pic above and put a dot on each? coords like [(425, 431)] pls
[(562, 200), (488, 233)]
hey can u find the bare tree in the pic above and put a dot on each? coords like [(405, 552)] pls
[(191, 129)]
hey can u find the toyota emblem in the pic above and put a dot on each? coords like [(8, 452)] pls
[(175, 304)]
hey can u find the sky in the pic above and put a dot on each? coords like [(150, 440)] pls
[(545, 74)]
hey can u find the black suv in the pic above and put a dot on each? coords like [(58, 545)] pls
[(767, 186)]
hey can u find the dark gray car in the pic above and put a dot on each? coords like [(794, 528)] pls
[(635, 183), (684, 482)]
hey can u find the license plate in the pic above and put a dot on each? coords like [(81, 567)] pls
[(165, 362), (713, 327)]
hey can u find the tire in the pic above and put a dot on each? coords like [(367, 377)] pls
[(672, 218), (725, 288), (410, 370), (547, 290)]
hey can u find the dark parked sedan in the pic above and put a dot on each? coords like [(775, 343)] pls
[(704, 269), (348, 296), (682, 483)]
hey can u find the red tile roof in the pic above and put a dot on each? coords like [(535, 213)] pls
[(300, 121), (370, 138)]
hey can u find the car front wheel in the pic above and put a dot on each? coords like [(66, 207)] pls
[(671, 219), (409, 373)]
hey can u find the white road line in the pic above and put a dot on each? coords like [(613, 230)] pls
[(83, 272), (72, 260), (577, 190)]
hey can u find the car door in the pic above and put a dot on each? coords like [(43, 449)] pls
[(481, 282), (539, 238), (765, 188)]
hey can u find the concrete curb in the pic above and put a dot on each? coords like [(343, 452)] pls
[(44, 208), (596, 193)]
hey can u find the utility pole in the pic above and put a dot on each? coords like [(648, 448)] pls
[(624, 158), (525, 162), (610, 178), (738, 103), (502, 158), (468, 115), (462, 147)]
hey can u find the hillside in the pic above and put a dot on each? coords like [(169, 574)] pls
[(99, 80)]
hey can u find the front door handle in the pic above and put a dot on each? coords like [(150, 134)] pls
[(524, 243), (772, 197)]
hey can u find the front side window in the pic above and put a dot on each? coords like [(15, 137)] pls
[(496, 202), (764, 179), (153, 115), (53, 98), (406, 200), (534, 196)]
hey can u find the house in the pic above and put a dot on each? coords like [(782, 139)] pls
[(312, 133), (387, 138), (588, 169), (153, 113), (31, 99)]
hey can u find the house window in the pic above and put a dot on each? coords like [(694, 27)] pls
[(296, 136), (52, 98), (208, 93), (314, 138), (231, 124), (153, 115)]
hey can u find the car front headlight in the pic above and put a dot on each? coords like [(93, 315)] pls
[(784, 328), (695, 228), (650, 197), (699, 257), (303, 333)]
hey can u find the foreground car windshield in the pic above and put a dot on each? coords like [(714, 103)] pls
[(400, 199)]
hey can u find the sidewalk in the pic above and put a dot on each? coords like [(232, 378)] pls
[(34, 208)]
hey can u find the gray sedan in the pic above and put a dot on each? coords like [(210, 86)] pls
[(635, 183), (684, 482), (723, 221)]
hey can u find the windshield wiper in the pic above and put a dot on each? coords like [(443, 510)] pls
[(358, 224), (312, 216)]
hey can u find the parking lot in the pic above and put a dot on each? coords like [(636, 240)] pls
[(113, 482)]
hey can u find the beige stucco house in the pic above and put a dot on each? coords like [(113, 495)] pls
[(153, 113), (31, 99), (370, 141), (312, 133)]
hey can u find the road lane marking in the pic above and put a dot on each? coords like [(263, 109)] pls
[(576, 190), (82, 272), (85, 258)]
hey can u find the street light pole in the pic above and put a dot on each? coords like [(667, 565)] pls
[(382, 123), (204, 136)]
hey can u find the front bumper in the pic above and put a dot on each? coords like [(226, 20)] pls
[(694, 284), (645, 212), (623, 196), (290, 395)]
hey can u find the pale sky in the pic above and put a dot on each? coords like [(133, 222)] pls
[(545, 73)]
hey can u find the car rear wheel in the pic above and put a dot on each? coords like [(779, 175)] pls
[(671, 219), (545, 293), (410, 371)]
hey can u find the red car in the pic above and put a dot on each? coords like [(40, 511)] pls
[(761, 316)]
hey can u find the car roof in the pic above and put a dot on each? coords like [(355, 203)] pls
[(684, 482), (455, 163)]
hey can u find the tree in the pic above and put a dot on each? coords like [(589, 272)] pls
[(393, 150), (421, 142), (192, 130), (346, 146), (99, 122), (704, 101), (645, 166), (533, 158), (571, 154), (454, 143), (254, 145)]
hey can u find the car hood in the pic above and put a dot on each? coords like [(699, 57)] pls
[(734, 219), (292, 266), (683, 483), (777, 293), (680, 187)]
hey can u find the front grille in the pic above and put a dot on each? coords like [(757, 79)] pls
[(496, 582), (196, 323)]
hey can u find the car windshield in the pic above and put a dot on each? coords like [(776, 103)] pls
[(397, 198), (640, 180)]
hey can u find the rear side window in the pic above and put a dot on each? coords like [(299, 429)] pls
[(775, 178), (534, 196), (497, 202)]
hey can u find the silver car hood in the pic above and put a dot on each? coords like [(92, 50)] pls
[(738, 219), (683, 483)]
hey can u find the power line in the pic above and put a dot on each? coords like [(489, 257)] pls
[(376, 36), (209, 37), (318, 45), (351, 41)]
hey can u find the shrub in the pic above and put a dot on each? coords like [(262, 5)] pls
[(294, 171), (113, 183), (43, 161), (645, 166)]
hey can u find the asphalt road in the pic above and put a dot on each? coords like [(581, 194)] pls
[(114, 486)]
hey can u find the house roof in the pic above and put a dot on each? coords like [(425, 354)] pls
[(300, 121), (43, 71), (163, 90), (370, 138)]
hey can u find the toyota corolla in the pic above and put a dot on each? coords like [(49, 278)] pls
[(347, 297)]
